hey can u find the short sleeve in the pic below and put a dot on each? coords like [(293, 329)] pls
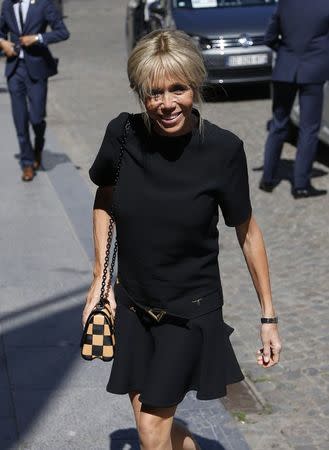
[(103, 170), (234, 196)]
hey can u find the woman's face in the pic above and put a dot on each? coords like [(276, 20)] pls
[(170, 107)]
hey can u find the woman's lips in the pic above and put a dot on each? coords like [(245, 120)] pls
[(171, 120)]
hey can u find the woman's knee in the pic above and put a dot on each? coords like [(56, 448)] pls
[(154, 429)]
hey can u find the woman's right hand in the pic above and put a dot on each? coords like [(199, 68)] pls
[(93, 298), (269, 354)]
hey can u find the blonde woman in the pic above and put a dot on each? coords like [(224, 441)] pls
[(176, 170)]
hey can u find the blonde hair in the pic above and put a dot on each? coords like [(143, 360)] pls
[(165, 54)]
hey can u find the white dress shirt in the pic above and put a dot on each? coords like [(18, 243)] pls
[(25, 8)]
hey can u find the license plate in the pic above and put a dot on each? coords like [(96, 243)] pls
[(204, 3), (247, 60)]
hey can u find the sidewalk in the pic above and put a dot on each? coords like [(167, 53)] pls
[(50, 397)]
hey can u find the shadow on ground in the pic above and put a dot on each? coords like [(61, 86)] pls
[(37, 350), (286, 171), (121, 438), (51, 159), (322, 155)]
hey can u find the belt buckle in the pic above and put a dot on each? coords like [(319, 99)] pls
[(156, 315)]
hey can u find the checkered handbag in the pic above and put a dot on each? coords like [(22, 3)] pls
[(98, 335)]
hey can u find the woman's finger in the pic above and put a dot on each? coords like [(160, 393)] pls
[(276, 355), (266, 353)]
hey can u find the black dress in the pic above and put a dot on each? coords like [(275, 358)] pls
[(167, 203)]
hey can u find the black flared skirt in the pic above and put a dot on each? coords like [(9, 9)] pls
[(164, 361)]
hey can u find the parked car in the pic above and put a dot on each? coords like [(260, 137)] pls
[(230, 33), (324, 130)]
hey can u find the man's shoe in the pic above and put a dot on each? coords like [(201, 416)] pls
[(310, 191), (265, 186), (28, 173)]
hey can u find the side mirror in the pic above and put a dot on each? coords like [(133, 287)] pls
[(157, 8)]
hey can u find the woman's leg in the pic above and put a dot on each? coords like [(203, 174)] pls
[(182, 439), (156, 428), (136, 404)]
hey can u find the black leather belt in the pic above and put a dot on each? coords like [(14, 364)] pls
[(182, 309), (147, 314)]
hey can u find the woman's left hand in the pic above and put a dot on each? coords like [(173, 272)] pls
[(269, 355)]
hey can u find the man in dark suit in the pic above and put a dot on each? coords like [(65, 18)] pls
[(299, 32), (29, 65)]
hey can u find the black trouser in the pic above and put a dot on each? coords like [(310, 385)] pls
[(28, 101), (310, 102)]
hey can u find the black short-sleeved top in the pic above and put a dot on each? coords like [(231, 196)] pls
[(167, 202)]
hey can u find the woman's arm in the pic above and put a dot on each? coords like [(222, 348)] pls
[(252, 244), (101, 220)]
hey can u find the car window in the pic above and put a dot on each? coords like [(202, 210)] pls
[(195, 4)]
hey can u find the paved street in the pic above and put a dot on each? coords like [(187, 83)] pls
[(91, 89)]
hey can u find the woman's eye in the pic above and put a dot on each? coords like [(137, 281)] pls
[(155, 94), (179, 89)]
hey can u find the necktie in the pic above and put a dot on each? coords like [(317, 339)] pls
[(20, 14)]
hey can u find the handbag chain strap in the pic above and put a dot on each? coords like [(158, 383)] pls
[(105, 288)]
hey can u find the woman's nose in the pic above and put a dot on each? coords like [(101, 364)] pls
[(168, 100)]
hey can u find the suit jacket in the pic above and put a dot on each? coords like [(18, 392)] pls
[(39, 61), (299, 31)]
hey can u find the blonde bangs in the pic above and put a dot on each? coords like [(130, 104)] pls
[(168, 55), (165, 54), (160, 68)]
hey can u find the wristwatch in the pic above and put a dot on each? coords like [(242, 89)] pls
[(39, 38), (269, 319)]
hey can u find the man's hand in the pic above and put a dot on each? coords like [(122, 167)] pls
[(27, 41), (8, 48)]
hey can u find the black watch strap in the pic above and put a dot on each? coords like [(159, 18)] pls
[(269, 319)]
